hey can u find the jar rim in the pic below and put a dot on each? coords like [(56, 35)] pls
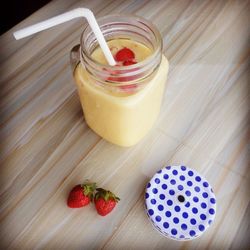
[(139, 19)]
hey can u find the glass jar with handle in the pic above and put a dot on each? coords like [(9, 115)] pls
[(121, 102)]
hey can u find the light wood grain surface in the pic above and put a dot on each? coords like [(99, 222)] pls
[(47, 148)]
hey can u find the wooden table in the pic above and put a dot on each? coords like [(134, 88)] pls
[(47, 148)]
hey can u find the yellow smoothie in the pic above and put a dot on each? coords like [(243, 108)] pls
[(121, 118)]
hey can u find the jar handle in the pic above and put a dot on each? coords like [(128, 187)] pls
[(74, 57)]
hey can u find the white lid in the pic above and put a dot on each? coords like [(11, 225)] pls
[(180, 202)]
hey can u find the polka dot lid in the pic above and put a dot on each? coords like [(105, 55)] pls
[(180, 202)]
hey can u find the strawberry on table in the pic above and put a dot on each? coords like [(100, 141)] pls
[(105, 201), (81, 195)]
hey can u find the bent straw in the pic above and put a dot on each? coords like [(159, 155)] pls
[(67, 16)]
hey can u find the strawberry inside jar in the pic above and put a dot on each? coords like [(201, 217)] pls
[(124, 57)]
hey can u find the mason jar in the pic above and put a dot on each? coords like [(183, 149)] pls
[(120, 103)]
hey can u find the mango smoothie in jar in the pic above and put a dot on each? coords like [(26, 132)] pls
[(122, 102)]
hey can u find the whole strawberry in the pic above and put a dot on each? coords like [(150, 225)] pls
[(81, 195), (124, 54), (105, 201)]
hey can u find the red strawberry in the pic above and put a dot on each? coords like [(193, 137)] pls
[(124, 54), (105, 201), (81, 195), (125, 57)]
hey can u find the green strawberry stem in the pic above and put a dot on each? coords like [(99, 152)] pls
[(89, 189), (106, 195)]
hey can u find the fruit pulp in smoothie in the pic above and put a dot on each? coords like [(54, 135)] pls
[(121, 117)]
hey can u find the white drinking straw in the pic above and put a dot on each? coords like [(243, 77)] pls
[(67, 16)]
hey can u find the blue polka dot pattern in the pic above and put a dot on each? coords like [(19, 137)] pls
[(183, 168), (162, 196), (203, 216), (158, 218), (177, 209), (198, 178), (205, 195), (205, 184), (168, 214), (165, 225), (157, 180), (174, 231), (155, 190), (165, 176), (194, 210), (176, 220), (195, 199), (171, 192), (173, 181), (151, 211), (212, 200), (170, 202), (192, 233), (180, 202), (203, 205), (193, 221), (185, 215), (160, 207), (175, 172), (153, 201), (182, 178), (201, 228), (211, 211)]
